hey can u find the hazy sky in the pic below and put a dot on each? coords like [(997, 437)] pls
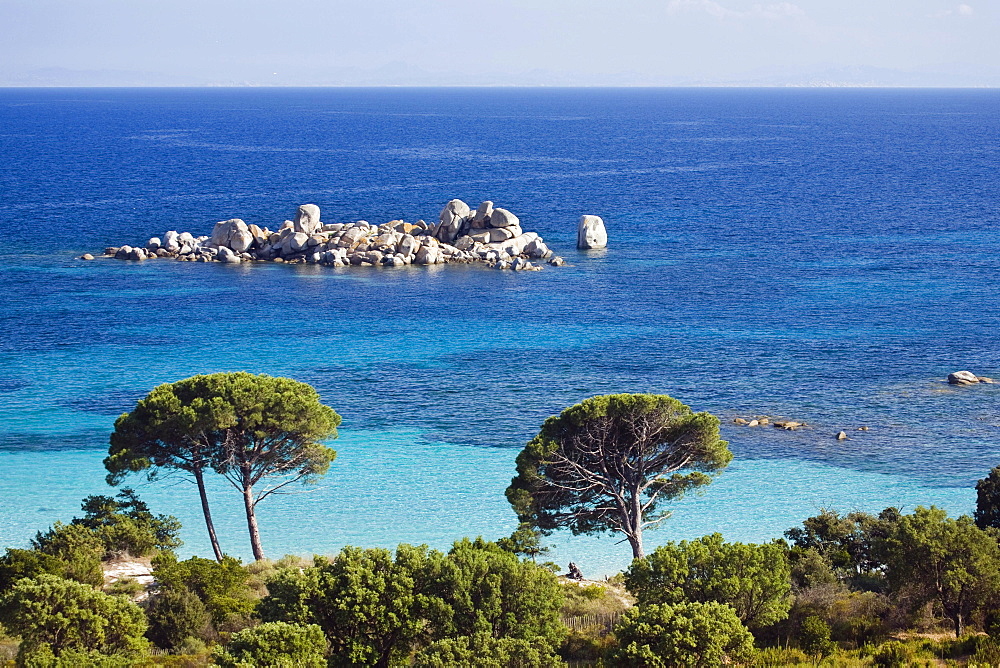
[(497, 41)]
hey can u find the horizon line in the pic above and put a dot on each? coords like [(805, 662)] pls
[(5, 86)]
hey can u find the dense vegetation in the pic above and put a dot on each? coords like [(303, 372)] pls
[(855, 589), (841, 587)]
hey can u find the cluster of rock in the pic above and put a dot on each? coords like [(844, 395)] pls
[(487, 235), (752, 421), (787, 425), (967, 378), (761, 420)]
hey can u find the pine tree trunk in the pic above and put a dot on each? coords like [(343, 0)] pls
[(258, 551), (635, 519), (635, 540), (199, 477)]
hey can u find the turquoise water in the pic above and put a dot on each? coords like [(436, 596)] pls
[(827, 256)]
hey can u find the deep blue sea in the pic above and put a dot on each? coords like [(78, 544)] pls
[(821, 255)]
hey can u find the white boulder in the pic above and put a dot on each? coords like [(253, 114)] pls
[(307, 219), (227, 255), (428, 255), (482, 218), (501, 234), (298, 242), (233, 234), (503, 218), (408, 245), (537, 249), (963, 378), (591, 233), (352, 236), (170, 241), (453, 217)]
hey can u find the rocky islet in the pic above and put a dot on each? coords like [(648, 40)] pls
[(489, 235)]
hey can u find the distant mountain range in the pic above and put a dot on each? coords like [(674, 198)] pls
[(401, 74)]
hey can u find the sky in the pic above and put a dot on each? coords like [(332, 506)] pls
[(499, 42)]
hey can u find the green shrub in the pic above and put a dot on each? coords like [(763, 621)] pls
[(814, 638), (892, 654), (698, 635), (18, 564), (126, 587), (223, 587), (274, 644), (586, 644), (176, 616), (372, 605), (987, 652), (490, 590), (775, 657), (125, 526), (70, 616), (483, 651), (754, 580), (376, 607), (77, 547), (42, 657)]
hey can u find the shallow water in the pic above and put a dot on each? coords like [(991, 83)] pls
[(827, 256)]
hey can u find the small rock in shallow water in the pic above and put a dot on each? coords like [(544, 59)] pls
[(86, 256), (591, 233), (962, 378), (841, 436), (753, 423)]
